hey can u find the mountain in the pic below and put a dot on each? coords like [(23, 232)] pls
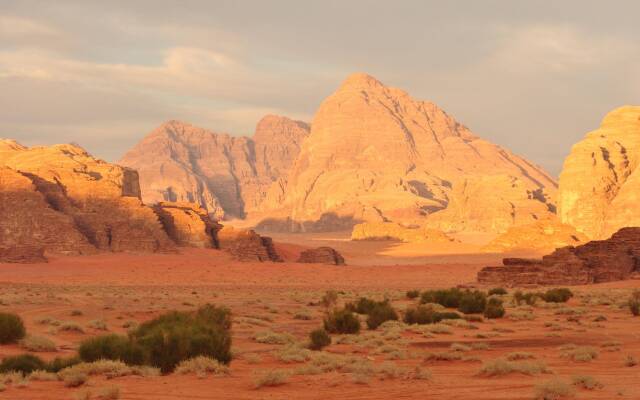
[(226, 175), (375, 154), (600, 180)]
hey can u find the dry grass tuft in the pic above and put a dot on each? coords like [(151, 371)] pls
[(274, 377), (201, 365)]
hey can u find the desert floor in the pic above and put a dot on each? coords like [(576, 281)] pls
[(281, 301)]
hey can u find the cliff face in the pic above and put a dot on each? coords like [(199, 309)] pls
[(225, 175), (600, 181), (374, 154), (64, 200)]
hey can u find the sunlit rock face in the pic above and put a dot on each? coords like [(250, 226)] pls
[(600, 183), (375, 154), (226, 175)]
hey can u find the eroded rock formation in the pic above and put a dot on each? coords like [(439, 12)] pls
[(392, 230), (188, 224), (321, 255), (225, 175), (374, 154), (247, 245), (540, 237), (597, 261), (600, 181)]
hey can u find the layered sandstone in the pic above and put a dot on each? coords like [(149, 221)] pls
[(63, 199), (321, 255), (600, 182), (374, 154), (225, 175), (188, 224), (394, 231), (540, 237), (597, 261), (247, 245)]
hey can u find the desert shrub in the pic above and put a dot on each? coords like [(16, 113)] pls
[(579, 354), (381, 313), (330, 298), (37, 343), (519, 355), (42, 375), (365, 305), (274, 377), (552, 390), (494, 308), (75, 379), (71, 326), (472, 302), (630, 360), (25, 363), (341, 321), (586, 382), (557, 295), (270, 337), (413, 294), (108, 393), (177, 336), (501, 366), (449, 298), (528, 298), (111, 347), (634, 303), (11, 328), (201, 365), (319, 339), (98, 324), (426, 315), (59, 363), (497, 291), (448, 315)]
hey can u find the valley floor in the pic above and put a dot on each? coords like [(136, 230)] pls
[(282, 301)]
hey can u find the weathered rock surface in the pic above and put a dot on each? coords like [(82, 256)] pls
[(600, 182), (247, 245), (392, 230), (225, 175), (374, 154), (63, 199), (188, 224), (597, 261), (540, 237), (321, 255)]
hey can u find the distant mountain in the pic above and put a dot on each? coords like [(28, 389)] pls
[(226, 175)]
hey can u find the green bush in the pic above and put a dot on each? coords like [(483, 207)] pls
[(11, 328), (557, 295), (364, 305), (25, 363), (528, 298), (494, 308), (413, 294), (111, 347), (381, 313), (634, 303), (449, 298), (472, 302), (497, 291), (341, 321), (177, 336), (59, 363), (425, 315), (319, 339)]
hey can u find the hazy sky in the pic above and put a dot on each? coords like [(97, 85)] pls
[(533, 76)]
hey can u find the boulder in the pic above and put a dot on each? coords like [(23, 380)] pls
[(613, 259), (321, 255)]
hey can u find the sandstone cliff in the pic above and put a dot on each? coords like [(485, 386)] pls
[(79, 202), (597, 261), (374, 154), (225, 175), (600, 182)]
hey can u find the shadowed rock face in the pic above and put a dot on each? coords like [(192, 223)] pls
[(593, 262), (68, 202), (225, 175), (188, 225), (321, 255), (374, 154), (600, 182)]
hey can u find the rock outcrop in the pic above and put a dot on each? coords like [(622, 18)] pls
[(69, 202), (540, 237), (321, 255), (600, 180), (247, 245), (188, 224), (597, 261), (225, 175), (374, 154), (394, 231)]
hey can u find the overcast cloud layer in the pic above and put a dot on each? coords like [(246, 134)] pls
[(533, 76)]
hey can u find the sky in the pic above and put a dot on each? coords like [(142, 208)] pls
[(533, 76)]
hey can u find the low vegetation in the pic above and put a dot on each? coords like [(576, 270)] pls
[(502, 366), (25, 363), (554, 389), (319, 339), (341, 321), (11, 328), (557, 295), (494, 308), (274, 377), (634, 303)]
